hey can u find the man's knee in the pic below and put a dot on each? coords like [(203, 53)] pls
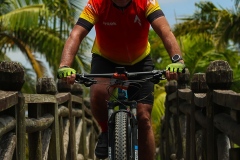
[(144, 117)]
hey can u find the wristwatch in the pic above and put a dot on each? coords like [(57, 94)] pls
[(176, 58)]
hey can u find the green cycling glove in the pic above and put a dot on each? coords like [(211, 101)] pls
[(64, 72), (176, 67)]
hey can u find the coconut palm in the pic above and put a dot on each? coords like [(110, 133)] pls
[(40, 27), (219, 28), (221, 24), (227, 27)]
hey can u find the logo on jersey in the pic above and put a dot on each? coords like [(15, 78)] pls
[(137, 20), (109, 23), (153, 2), (90, 6)]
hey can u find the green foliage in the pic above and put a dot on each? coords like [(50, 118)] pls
[(158, 53), (41, 27), (222, 25), (158, 110)]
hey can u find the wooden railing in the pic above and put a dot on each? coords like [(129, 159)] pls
[(202, 120), (51, 124)]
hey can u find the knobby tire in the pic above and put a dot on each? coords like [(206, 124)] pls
[(121, 138)]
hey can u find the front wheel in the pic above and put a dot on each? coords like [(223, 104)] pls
[(121, 138)]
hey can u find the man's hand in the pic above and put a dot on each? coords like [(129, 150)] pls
[(172, 70), (67, 74)]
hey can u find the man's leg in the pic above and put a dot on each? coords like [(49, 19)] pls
[(98, 100), (146, 140)]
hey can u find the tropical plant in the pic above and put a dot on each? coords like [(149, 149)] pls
[(40, 27), (158, 110), (222, 25), (158, 53), (217, 30)]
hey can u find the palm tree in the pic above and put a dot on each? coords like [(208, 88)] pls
[(221, 24), (11, 24), (237, 3), (40, 27), (217, 27)]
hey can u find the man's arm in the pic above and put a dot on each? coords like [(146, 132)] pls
[(162, 28), (72, 44)]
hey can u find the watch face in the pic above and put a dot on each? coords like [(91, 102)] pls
[(176, 58)]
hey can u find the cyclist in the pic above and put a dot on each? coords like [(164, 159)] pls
[(122, 28)]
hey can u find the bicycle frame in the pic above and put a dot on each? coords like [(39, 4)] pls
[(129, 107), (127, 110)]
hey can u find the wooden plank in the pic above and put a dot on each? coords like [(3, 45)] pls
[(228, 126), (39, 124), (7, 146), (20, 128), (8, 99), (219, 96), (7, 123), (62, 157), (63, 111), (200, 99), (233, 100), (35, 143), (40, 98), (72, 129), (172, 96), (54, 149), (227, 98), (185, 108), (210, 128), (185, 94), (77, 99), (63, 97), (46, 136)]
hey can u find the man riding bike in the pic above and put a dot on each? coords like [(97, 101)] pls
[(122, 28)]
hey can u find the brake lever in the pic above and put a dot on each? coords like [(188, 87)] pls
[(86, 81), (157, 77)]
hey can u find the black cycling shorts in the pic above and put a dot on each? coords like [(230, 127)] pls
[(142, 92)]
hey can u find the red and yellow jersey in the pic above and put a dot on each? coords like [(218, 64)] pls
[(121, 33)]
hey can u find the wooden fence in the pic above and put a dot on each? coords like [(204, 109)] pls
[(202, 120), (52, 124)]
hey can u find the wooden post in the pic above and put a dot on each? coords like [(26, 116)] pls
[(198, 85), (21, 128), (219, 75), (64, 87), (48, 86), (72, 137), (170, 87), (183, 81), (76, 90), (34, 139), (12, 79), (12, 76)]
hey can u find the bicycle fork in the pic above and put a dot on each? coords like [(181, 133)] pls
[(132, 143)]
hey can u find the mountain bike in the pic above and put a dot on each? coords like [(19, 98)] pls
[(122, 113)]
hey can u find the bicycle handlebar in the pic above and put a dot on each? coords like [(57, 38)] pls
[(121, 74)]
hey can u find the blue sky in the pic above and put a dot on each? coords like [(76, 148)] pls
[(178, 8)]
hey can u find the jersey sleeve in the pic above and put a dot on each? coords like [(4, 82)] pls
[(153, 10), (88, 17)]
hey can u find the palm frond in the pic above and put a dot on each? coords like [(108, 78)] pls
[(26, 17)]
